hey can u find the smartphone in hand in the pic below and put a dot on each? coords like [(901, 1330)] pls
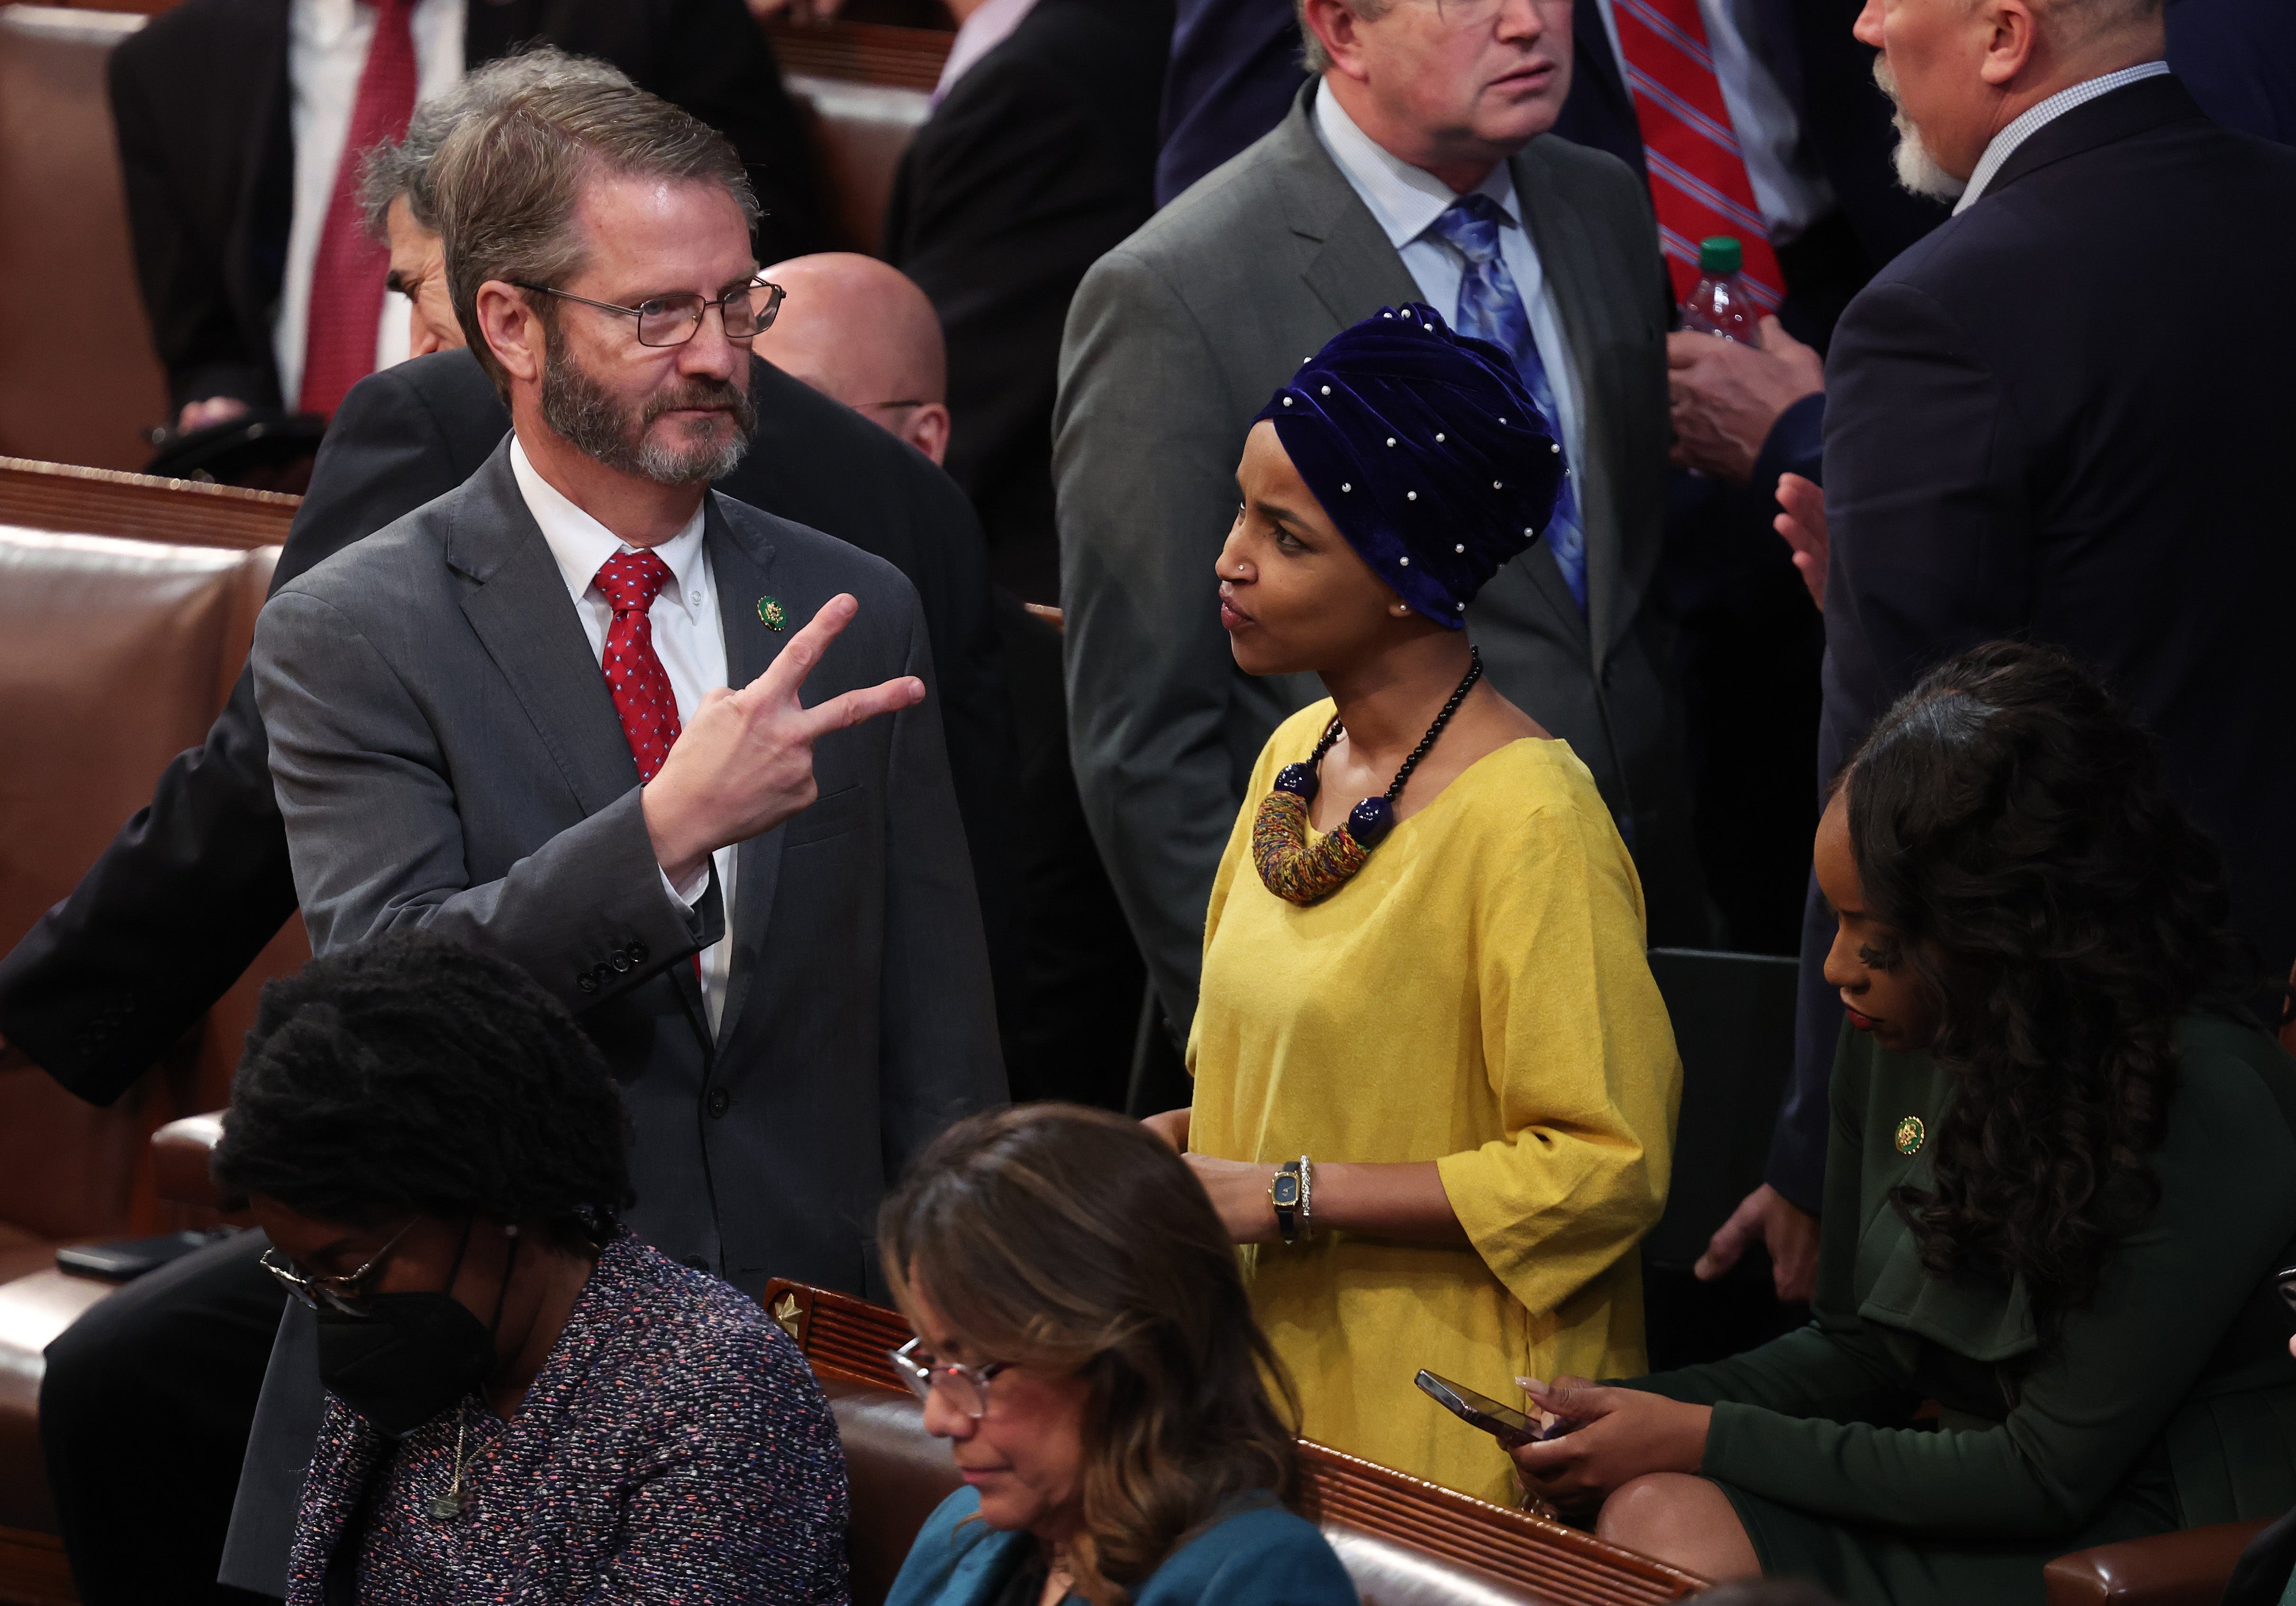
[(1504, 1424)]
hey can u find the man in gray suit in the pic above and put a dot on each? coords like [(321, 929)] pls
[(1415, 166), (762, 910), (505, 717)]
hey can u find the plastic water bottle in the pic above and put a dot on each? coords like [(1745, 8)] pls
[(1720, 302)]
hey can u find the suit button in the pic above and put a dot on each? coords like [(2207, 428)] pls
[(637, 952), (588, 984), (622, 962), (719, 1102)]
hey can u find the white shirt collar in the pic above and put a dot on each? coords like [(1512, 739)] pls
[(1404, 200), (581, 545), (2004, 144)]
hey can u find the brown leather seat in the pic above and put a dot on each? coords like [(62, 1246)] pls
[(2187, 1569), (864, 88), (79, 381), (116, 652), (859, 131)]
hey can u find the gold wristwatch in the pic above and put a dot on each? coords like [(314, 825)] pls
[(1287, 1191)]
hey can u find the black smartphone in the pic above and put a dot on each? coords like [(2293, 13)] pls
[(1504, 1424), (2286, 1278), (124, 1259)]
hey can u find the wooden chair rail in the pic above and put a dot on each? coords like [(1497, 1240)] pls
[(1547, 1560), (862, 52), (60, 496)]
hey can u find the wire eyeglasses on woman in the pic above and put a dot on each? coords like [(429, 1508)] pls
[(341, 1293), (674, 320), (966, 1387)]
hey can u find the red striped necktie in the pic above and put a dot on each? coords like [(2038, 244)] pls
[(346, 281), (1697, 175)]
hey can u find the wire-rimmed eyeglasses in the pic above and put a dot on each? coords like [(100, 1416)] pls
[(340, 1292), (966, 1387), (674, 320)]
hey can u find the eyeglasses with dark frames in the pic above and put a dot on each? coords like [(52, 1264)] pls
[(674, 320), (965, 1386), (341, 1293)]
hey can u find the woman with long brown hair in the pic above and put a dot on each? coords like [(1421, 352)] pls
[(2062, 1177), (1085, 1345)]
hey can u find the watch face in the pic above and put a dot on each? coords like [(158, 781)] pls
[(1286, 1191)]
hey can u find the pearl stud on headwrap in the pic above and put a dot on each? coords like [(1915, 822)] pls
[(1410, 424)]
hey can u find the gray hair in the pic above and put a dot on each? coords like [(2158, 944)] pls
[(403, 166), (506, 183), (1313, 57)]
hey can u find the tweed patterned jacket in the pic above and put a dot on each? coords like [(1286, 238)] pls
[(675, 1448)]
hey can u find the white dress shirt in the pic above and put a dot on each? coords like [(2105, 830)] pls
[(1790, 191), (2034, 118), (327, 42), (689, 638), (1406, 200)]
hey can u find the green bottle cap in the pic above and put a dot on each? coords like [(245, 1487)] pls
[(1719, 256)]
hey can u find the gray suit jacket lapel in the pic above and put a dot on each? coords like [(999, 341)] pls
[(1612, 575), (741, 562), (1355, 269), (517, 606)]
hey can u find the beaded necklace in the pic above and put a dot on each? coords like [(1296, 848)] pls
[(1300, 874)]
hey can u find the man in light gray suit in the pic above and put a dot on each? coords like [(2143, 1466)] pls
[(1416, 167)]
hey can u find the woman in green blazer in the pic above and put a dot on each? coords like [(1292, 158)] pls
[(2062, 1173)]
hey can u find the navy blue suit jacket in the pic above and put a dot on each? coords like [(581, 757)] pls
[(2052, 420)]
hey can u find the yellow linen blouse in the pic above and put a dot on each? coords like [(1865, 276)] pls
[(1478, 996)]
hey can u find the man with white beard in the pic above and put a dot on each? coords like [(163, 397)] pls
[(2063, 416)]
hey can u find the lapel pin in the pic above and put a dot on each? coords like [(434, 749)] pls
[(1910, 1135), (771, 613)]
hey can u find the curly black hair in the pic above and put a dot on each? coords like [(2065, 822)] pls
[(415, 1076), (2010, 822)]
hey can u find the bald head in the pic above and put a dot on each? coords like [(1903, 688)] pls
[(863, 332)]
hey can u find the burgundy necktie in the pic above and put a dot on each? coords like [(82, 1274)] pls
[(634, 677), (1698, 178), (347, 281)]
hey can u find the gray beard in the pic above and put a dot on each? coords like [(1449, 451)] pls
[(1917, 171), (595, 424)]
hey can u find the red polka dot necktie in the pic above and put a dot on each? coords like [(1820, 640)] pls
[(346, 281), (639, 684)]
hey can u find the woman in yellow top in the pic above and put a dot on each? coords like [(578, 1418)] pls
[(1435, 1086)]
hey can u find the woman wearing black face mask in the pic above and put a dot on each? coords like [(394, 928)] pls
[(526, 1403)]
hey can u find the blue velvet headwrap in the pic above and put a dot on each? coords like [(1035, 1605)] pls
[(1424, 449)]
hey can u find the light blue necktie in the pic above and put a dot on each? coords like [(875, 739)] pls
[(1491, 308)]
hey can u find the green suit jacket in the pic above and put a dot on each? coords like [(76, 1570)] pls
[(2170, 1402)]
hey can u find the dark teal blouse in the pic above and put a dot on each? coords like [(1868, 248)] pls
[(1260, 1556)]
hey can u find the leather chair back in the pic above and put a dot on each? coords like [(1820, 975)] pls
[(79, 381), (859, 132), (864, 87), (116, 650), (1403, 1543)]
